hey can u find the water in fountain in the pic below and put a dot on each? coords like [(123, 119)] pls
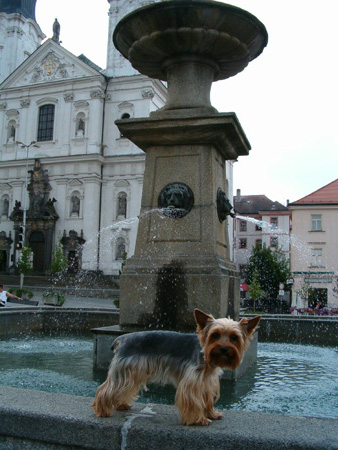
[(288, 379)]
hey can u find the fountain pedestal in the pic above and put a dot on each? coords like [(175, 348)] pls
[(182, 257), (182, 262)]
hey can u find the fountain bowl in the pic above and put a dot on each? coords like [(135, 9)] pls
[(226, 36)]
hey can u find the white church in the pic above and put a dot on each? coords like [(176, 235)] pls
[(66, 172)]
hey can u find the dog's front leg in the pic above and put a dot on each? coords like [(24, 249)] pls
[(209, 397), (191, 404)]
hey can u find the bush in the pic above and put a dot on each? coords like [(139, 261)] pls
[(21, 292), (60, 298), (59, 262)]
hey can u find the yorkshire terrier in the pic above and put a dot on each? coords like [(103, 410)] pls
[(192, 362)]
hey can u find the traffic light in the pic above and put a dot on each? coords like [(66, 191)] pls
[(21, 238)]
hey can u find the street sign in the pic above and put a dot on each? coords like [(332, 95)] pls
[(281, 286), (290, 280), (281, 292)]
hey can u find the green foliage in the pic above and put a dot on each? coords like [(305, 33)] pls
[(255, 290), (305, 291), (19, 292), (271, 267), (59, 262), (25, 265), (60, 298)]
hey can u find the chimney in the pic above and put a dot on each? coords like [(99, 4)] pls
[(238, 195)]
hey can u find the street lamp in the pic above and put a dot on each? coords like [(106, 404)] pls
[(23, 227)]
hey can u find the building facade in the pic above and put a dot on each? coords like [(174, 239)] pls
[(66, 172), (314, 238), (80, 181), (259, 221)]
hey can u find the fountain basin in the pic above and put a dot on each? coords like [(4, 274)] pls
[(21, 320), (34, 419)]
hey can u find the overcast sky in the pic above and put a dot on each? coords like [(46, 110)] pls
[(286, 100)]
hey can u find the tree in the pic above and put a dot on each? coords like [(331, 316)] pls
[(25, 264), (271, 266), (59, 262), (304, 293), (255, 290)]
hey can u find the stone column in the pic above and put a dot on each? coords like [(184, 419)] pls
[(182, 257), (182, 263)]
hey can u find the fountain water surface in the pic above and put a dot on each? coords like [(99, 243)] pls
[(288, 379)]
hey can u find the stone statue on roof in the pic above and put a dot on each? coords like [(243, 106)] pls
[(56, 31)]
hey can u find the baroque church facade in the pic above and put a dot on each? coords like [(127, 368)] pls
[(66, 172)]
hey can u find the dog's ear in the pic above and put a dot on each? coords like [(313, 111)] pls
[(250, 325), (202, 318)]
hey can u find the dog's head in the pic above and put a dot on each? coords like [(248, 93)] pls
[(224, 341)]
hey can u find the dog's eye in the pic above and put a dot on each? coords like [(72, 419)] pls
[(234, 338), (215, 335)]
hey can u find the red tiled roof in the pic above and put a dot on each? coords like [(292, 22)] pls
[(326, 194)]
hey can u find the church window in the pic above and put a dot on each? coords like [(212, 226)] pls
[(46, 123)]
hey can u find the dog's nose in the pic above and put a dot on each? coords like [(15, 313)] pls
[(224, 350)]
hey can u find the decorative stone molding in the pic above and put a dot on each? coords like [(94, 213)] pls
[(69, 97), (81, 104), (126, 108), (148, 93), (122, 183), (12, 112), (45, 100), (97, 93), (3, 105), (49, 69), (25, 102)]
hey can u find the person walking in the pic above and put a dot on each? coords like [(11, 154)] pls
[(4, 295)]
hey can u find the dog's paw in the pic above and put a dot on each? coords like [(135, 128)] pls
[(203, 422), (214, 415), (123, 407)]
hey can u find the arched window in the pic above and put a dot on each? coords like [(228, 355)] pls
[(122, 205), (46, 123)]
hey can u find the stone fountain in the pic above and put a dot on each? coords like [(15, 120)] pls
[(182, 257)]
